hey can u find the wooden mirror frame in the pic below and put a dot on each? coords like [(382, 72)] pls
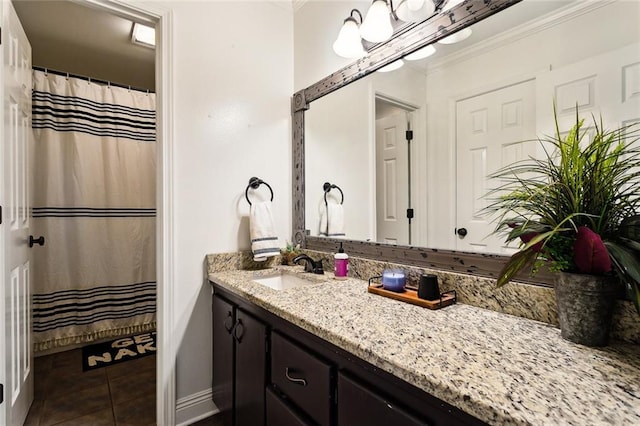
[(406, 40)]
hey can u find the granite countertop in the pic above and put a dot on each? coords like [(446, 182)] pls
[(499, 368)]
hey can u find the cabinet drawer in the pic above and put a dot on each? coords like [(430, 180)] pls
[(358, 405), (279, 413), (305, 379)]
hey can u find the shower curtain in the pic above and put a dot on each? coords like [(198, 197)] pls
[(93, 198)]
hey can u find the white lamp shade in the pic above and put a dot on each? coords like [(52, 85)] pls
[(415, 10), (415, 4), (425, 52), (450, 4), (392, 66), (377, 24), (456, 37), (348, 44)]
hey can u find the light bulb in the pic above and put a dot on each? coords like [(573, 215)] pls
[(414, 5), (425, 52), (415, 10), (348, 44), (456, 37), (392, 66), (451, 4), (377, 24)]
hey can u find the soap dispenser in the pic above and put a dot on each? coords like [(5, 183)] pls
[(341, 264)]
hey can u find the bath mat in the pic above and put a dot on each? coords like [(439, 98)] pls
[(119, 350)]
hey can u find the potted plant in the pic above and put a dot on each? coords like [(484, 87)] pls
[(289, 253), (576, 211)]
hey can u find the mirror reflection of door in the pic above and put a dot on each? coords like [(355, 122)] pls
[(393, 171), (493, 129)]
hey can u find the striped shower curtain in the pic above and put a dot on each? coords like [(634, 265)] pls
[(93, 198)]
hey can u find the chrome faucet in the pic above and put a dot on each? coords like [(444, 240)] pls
[(310, 264)]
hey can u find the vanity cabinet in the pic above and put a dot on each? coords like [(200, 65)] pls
[(239, 364), (283, 375)]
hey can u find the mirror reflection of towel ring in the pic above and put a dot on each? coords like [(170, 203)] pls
[(327, 188), (255, 183)]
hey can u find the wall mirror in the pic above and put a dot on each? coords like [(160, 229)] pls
[(470, 106)]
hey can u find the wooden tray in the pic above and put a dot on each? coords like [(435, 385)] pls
[(411, 296)]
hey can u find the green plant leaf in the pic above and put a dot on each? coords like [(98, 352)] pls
[(627, 263), (515, 263), (630, 228)]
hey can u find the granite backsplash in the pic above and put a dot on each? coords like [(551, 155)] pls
[(523, 300)]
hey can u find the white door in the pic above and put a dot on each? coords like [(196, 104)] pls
[(392, 179), (606, 85), (16, 365), (492, 130)]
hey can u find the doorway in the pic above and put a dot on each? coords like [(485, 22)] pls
[(154, 15), (395, 123)]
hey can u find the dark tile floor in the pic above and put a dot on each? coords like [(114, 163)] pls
[(119, 395)]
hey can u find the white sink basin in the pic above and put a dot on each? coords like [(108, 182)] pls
[(283, 281)]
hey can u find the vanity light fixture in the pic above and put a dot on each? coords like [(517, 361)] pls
[(349, 44), (425, 52), (377, 25), (143, 35), (392, 66)]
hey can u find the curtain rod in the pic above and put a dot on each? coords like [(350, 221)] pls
[(90, 79)]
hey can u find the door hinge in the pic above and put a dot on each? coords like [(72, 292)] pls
[(409, 213), (0, 215), (409, 135), (1, 393)]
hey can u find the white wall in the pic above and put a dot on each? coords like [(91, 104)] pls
[(232, 83)]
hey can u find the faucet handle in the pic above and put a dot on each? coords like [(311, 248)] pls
[(317, 267)]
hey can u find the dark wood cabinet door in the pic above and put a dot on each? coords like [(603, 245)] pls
[(359, 405), (223, 322), (251, 357)]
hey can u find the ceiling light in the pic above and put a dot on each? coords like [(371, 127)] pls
[(425, 52), (392, 66), (143, 35), (349, 44), (456, 37), (376, 26)]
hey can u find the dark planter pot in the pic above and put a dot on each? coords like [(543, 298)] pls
[(585, 307)]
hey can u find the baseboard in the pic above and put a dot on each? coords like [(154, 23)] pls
[(195, 407)]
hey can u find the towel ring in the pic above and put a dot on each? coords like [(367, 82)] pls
[(255, 183), (327, 188)]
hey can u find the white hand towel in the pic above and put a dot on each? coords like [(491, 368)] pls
[(264, 242), (332, 222), (322, 231)]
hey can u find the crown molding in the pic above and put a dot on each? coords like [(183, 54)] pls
[(297, 4), (527, 29)]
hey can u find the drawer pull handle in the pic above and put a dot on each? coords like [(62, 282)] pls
[(301, 382)]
